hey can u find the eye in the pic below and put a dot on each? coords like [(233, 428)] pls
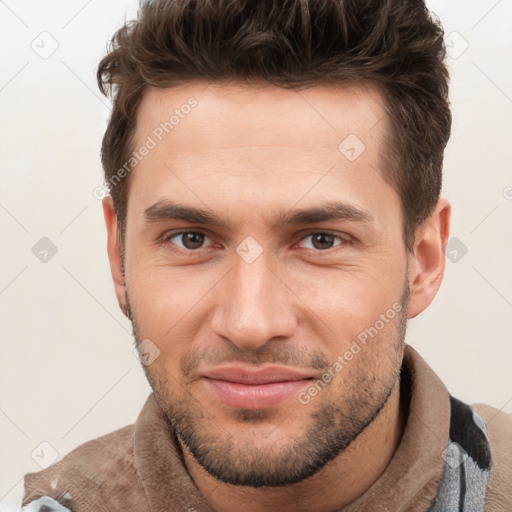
[(323, 240), (190, 240)]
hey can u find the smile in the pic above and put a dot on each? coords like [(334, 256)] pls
[(250, 389)]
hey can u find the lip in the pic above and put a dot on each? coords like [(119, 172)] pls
[(249, 388)]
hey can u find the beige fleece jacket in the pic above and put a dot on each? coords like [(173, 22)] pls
[(140, 467)]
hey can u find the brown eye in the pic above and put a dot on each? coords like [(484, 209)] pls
[(322, 241), (190, 240)]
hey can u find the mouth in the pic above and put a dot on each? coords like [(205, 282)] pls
[(249, 388)]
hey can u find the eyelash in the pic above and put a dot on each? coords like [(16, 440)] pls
[(344, 240)]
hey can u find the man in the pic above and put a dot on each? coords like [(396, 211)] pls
[(273, 221)]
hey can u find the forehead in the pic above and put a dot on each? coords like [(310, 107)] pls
[(306, 114), (259, 141)]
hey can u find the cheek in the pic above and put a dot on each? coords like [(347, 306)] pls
[(350, 299), (164, 298), (370, 360)]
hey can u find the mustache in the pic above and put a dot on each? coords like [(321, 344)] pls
[(285, 356)]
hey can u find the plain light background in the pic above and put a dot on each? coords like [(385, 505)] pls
[(67, 368)]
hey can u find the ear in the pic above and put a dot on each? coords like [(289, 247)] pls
[(114, 253), (426, 266)]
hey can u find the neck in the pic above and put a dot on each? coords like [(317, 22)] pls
[(337, 484)]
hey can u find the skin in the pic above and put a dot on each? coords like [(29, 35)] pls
[(248, 153)]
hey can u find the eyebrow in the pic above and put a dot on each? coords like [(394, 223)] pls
[(168, 210)]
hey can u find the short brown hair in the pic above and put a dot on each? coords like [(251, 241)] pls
[(396, 45)]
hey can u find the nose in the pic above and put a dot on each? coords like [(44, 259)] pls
[(254, 306)]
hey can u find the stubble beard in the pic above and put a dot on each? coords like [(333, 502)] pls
[(334, 425)]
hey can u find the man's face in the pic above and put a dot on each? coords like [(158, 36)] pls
[(278, 341)]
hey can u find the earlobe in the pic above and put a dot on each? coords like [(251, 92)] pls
[(426, 266), (114, 253)]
